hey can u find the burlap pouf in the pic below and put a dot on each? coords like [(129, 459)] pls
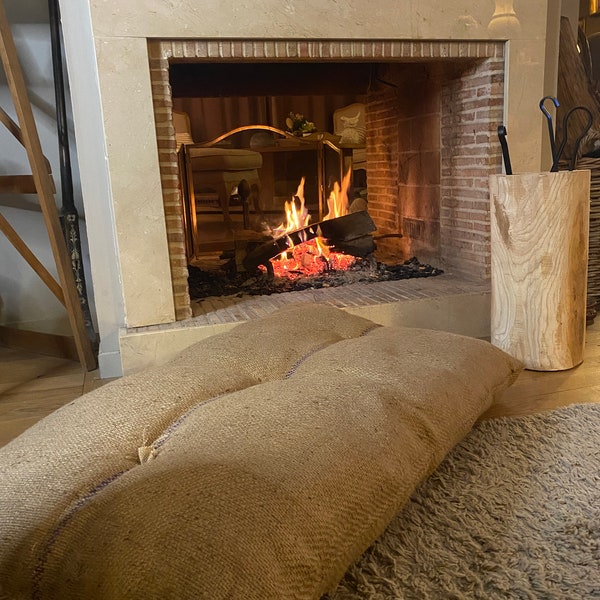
[(271, 457)]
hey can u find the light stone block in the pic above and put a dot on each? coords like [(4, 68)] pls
[(135, 179)]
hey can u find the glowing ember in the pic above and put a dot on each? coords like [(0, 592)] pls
[(309, 258), (313, 256)]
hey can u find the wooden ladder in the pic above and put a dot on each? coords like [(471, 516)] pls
[(40, 182)]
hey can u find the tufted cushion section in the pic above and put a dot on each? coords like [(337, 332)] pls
[(269, 460), (224, 159)]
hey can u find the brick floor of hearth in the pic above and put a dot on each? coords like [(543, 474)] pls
[(232, 309)]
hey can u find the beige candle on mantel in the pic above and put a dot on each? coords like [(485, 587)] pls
[(539, 254)]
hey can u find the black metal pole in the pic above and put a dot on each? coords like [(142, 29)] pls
[(68, 214)]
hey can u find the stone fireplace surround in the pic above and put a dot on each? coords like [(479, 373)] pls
[(135, 252), (430, 141)]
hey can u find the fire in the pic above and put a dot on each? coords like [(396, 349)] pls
[(314, 256), (337, 203), (297, 215)]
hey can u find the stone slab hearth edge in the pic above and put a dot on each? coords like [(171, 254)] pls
[(443, 303)]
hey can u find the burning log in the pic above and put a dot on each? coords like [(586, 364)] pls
[(261, 254), (362, 246), (349, 227), (350, 233)]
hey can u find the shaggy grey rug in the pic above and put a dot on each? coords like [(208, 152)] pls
[(513, 512)]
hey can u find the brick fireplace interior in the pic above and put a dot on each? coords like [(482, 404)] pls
[(432, 111)]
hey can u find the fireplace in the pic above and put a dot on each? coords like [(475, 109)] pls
[(432, 189), (431, 115)]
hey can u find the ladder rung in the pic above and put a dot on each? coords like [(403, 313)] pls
[(17, 184), (20, 184)]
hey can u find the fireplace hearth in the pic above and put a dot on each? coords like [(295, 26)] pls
[(300, 254), (224, 280), (431, 123)]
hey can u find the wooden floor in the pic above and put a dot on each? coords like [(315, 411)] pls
[(31, 386), (537, 391)]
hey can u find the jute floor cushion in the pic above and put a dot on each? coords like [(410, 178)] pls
[(258, 465)]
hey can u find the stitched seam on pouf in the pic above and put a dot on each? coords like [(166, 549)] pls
[(42, 561), (40, 568), (322, 347), (302, 359), (164, 437)]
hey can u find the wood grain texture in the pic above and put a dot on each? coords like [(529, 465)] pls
[(539, 251), (48, 344), (539, 391)]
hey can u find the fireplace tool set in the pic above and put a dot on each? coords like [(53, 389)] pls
[(557, 151)]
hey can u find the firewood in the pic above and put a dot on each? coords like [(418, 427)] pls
[(336, 231), (361, 247), (348, 227)]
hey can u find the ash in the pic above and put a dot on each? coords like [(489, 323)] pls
[(221, 282)]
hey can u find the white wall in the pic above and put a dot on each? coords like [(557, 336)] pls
[(25, 300)]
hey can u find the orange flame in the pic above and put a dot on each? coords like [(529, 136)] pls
[(313, 256), (297, 215), (337, 203)]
